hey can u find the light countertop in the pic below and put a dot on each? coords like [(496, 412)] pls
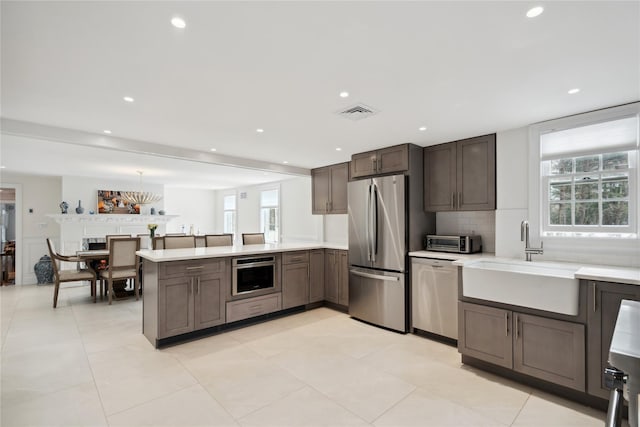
[(610, 274), (604, 273), (450, 256), (164, 255)]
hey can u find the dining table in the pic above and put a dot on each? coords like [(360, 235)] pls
[(95, 260)]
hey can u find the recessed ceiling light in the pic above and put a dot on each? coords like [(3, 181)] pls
[(422, 128), (107, 131), (573, 91), (338, 149), (285, 162), (178, 22), (259, 130), (128, 99), (344, 94), (535, 11), (214, 149)]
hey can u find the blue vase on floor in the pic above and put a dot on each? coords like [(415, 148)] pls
[(44, 270)]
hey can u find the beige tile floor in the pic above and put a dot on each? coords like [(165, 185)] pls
[(86, 364)]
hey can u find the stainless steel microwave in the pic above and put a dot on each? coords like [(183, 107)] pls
[(457, 244)]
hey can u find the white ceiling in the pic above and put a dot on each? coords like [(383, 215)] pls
[(460, 68)]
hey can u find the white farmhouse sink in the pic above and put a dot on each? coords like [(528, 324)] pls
[(541, 285)]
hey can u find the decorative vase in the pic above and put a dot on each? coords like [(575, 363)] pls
[(79, 209), (44, 270), (152, 233), (153, 211), (63, 207)]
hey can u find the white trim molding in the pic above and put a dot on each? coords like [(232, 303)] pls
[(111, 218)]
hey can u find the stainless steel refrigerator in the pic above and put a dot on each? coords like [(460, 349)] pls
[(386, 221)]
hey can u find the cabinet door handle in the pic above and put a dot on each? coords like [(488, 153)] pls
[(191, 285), (375, 164), (593, 294), (506, 324), (199, 267), (517, 326), (459, 200), (198, 285), (326, 206), (453, 198)]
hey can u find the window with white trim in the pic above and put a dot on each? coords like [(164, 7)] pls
[(230, 214), (270, 215), (588, 179)]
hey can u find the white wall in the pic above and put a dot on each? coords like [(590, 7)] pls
[(512, 186), (298, 225), (336, 229), (296, 221), (42, 195), (196, 207)]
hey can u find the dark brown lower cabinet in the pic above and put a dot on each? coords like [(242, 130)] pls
[(485, 333), (550, 349), (295, 279), (337, 277), (602, 312), (191, 296), (316, 275)]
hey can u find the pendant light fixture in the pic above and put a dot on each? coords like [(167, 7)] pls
[(140, 197)]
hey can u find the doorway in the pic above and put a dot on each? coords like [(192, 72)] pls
[(8, 236)]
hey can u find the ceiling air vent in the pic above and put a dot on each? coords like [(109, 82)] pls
[(357, 112)]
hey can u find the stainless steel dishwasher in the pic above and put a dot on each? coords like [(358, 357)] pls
[(434, 296)]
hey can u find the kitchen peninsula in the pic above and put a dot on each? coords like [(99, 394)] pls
[(195, 292)]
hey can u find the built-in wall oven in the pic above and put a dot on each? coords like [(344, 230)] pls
[(253, 274)]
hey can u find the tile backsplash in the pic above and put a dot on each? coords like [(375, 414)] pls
[(462, 223)]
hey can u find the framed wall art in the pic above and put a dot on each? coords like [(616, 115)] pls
[(112, 202)]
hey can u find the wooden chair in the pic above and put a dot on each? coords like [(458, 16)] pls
[(76, 275), (252, 238), (219, 240), (157, 243), (123, 264), (110, 237), (177, 242)]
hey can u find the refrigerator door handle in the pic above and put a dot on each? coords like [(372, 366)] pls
[(367, 228), (375, 276), (374, 223)]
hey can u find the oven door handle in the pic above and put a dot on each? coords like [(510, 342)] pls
[(254, 264)]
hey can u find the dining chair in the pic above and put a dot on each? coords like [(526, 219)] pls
[(123, 264), (110, 237), (61, 276), (157, 243), (177, 242), (252, 238), (219, 240)]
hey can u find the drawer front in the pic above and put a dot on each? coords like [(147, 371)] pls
[(252, 307), (295, 257), (191, 267)]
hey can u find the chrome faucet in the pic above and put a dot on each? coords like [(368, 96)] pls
[(524, 237)]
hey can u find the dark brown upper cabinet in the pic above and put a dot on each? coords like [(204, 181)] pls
[(380, 162), (461, 175), (329, 189)]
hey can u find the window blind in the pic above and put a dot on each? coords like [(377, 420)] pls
[(611, 136)]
